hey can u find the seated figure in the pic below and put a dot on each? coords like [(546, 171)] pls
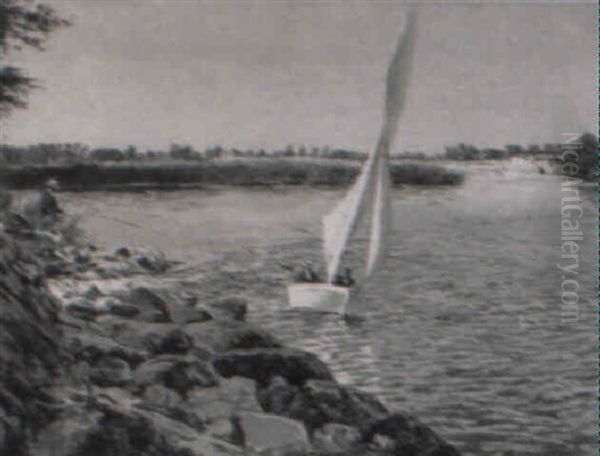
[(345, 280), (307, 274)]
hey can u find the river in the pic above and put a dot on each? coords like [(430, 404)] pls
[(462, 326)]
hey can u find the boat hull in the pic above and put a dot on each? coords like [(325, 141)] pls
[(321, 297)]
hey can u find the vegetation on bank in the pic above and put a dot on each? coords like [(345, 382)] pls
[(119, 176), (580, 158), (72, 153)]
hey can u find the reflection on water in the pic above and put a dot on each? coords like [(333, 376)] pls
[(462, 326)]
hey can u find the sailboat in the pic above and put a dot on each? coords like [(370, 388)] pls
[(369, 197)]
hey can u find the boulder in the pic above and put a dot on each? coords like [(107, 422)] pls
[(82, 308), (159, 397), (92, 293), (167, 402), (152, 260), (54, 269), (184, 315), (122, 309), (5, 200), (168, 341), (407, 437), (111, 371), (336, 438), (122, 433), (231, 308), (271, 434), (85, 346), (67, 434), (319, 402), (152, 307), (232, 395), (156, 338), (179, 373), (123, 252), (221, 428), (295, 366), (224, 335)]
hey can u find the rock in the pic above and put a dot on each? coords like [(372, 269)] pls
[(152, 260), (83, 256), (336, 438), (157, 338), (170, 403), (263, 364), (93, 292), (157, 396), (277, 396), (221, 335), (271, 433), (152, 307), (123, 310), (230, 308), (186, 315), (15, 223), (176, 372), (319, 402), (54, 269), (123, 252), (82, 308), (221, 428), (89, 347), (408, 436), (110, 371), (233, 395), (5, 200), (170, 341), (67, 434), (119, 433)]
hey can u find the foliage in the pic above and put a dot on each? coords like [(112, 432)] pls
[(585, 161), (23, 23)]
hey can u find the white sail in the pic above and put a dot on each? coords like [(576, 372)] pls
[(380, 215), (396, 87), (372, 186), (339, 224)]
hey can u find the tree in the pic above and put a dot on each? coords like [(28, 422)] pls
[(23, 23)]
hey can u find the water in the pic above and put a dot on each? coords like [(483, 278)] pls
[(463, 325)]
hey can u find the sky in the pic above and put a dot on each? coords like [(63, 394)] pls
[(251, 74)]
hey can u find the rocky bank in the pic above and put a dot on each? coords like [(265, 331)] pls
[(101, 355)]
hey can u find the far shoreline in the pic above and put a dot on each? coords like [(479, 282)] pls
[(173, 176)]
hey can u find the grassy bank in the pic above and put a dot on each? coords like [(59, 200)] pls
[(242, 172)]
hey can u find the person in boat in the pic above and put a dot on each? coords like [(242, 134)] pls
[(345, 280), (307, 274)]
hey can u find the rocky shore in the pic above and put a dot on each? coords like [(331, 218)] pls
[(102, 356)]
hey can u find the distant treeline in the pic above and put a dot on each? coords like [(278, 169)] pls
[(72, 153), (468, 152)]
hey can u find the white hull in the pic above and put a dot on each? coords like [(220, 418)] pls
[(322, 297)]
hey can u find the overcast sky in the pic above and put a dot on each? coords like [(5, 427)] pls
[(272, 73)]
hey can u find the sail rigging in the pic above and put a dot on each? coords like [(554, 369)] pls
[(373, 184)]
